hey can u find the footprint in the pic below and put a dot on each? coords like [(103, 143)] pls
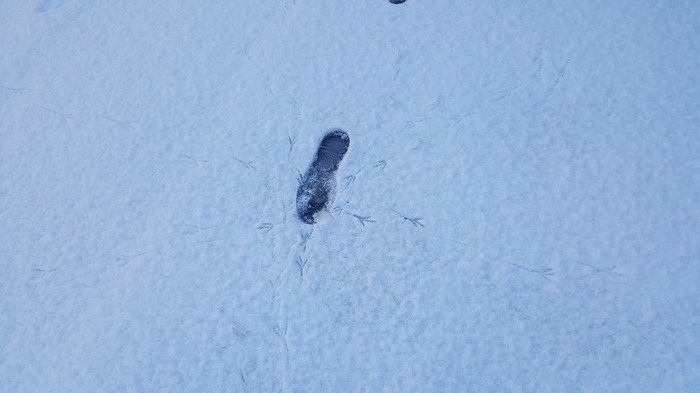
[(317, 189)]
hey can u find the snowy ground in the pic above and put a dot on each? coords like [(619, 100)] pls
[(518, 210)]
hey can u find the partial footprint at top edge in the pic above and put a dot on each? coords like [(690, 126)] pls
[(318, 185)]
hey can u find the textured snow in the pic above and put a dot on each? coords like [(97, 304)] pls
[(518, 210)]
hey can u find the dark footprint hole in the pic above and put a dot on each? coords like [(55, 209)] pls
[(317, 188), (397, 1)]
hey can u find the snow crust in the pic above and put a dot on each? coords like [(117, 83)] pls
[(518, 210)]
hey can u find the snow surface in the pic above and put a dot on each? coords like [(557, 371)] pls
[(518, 210)]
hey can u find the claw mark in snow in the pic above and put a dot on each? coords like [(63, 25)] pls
[(500, 95), (248, 164), (415, 221), (7, 92), (432, 105), (560, 75), (362, 219), (196, 161), (189, 229), (266, 227), (14, 89), (609, 271), (126, 124), (282, 334), (248, 45), (399, 62), (305, 236), (123, 259), (301, 263), (64, 116), (349, 180), (38, 273), (544, 273), (292, 141), (239, 330), (538, 59), (380, 164)]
